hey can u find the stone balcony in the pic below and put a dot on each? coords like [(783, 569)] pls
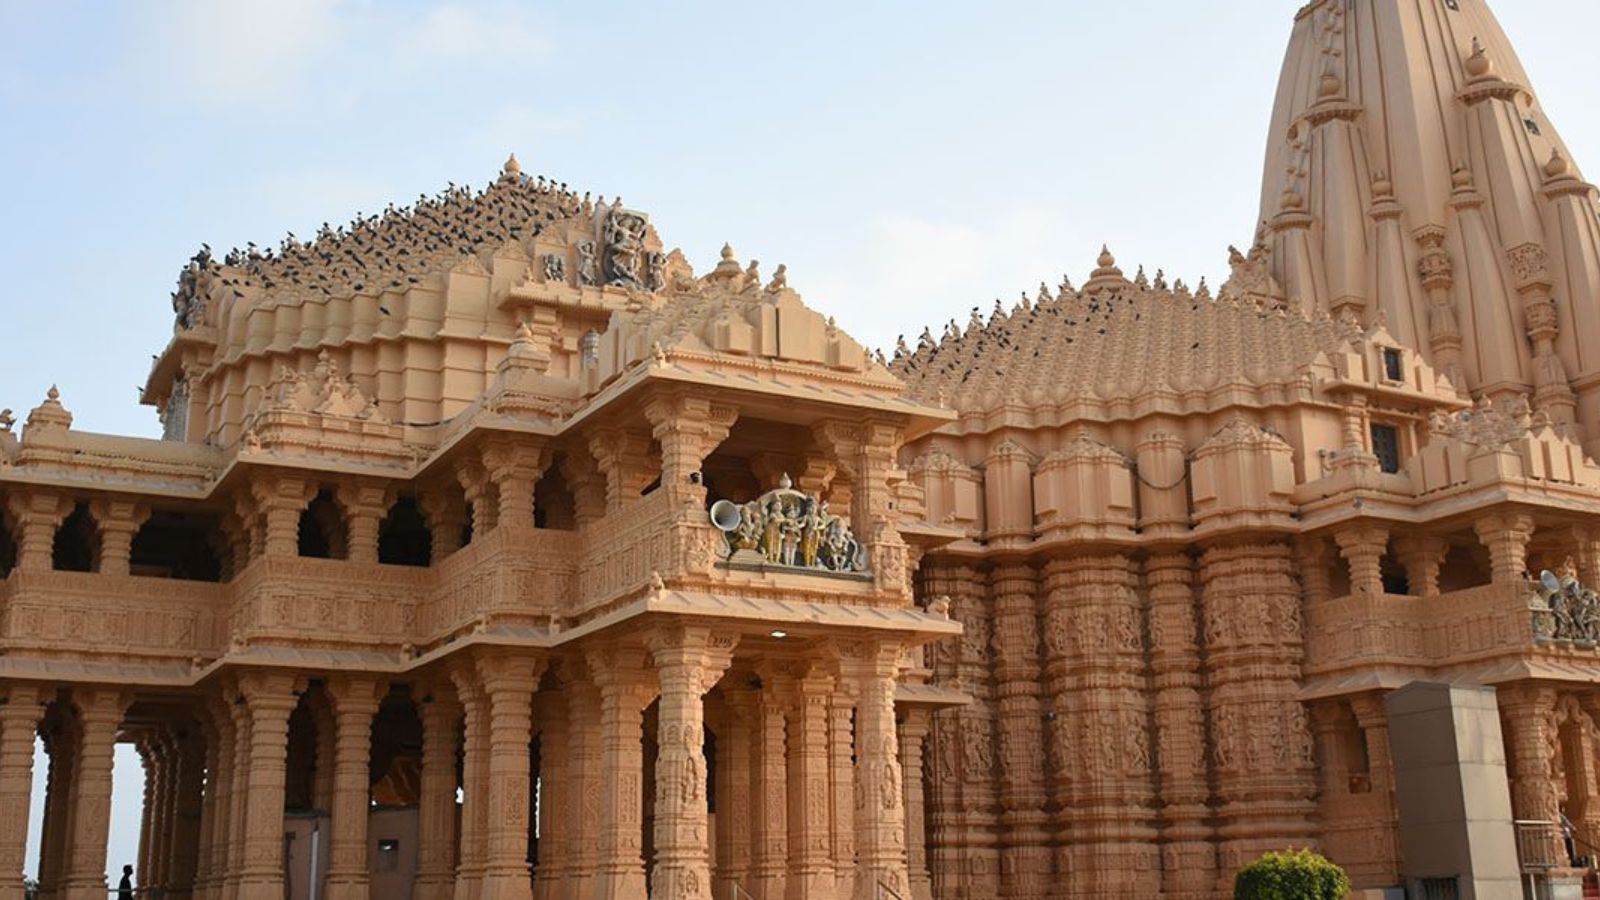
[(125, 618), (1360, 641)]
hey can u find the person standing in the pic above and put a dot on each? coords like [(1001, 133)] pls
[(125, 886)]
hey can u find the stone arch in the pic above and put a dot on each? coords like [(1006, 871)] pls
[(324, 532), (397, 751), (404, 537), (76, 547)]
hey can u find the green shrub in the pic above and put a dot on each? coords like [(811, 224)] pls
[(1291, 875)]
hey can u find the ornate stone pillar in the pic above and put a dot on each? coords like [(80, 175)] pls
[(1188, 853), (238, 799), (1373, 720), (446, 514), (279, 501), (688, 662), (474, 781), (218, 798), (479, 492), (810, 838), (355, 701), (1261, 737), (1024, 851), (1444, 330), (584, 773), (623, 458), (99, 716), (514, 466), (769, 792), (557, 814), (625, 691), (365, 504), (841, 770), (688, 428), (118, 521), (187, 801), (36, 515), (1507, 538), (436, 806), (162, 783), (1528, 711), (1422, 555), (1362, 547), (913, 732), (207, 811), (19, 722), (880, 791), (145, 746), (734, 821), (270, 698), (508, 683), (61, 740)]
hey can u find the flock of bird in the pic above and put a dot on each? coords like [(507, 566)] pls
[(395, 248)]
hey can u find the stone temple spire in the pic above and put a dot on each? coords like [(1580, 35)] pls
[(1429, 188)]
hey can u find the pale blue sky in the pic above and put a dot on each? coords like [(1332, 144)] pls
[(906, 160)]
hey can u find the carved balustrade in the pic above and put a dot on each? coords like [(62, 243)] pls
[(116, 617), (327, 602), (1470, 627), (512, 575)]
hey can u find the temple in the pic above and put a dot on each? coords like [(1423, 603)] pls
[(493, 553)]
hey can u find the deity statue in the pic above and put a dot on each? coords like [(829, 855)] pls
[(588, 266)]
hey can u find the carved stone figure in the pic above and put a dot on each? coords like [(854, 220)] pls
[(555, 267), (588, 264)]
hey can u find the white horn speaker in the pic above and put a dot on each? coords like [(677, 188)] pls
[(725, 515)]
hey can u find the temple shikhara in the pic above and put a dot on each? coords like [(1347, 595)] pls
[(492, 552)]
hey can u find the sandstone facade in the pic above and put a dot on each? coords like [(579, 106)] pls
[(493, 553)]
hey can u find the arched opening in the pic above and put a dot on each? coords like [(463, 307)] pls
[(1392, 573), (404, 538), (1466, 565), (553, 503), (395, 776), (322, 528), (176, 545), (300, 794), (77, 543)]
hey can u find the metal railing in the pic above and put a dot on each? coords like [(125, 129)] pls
[(891, 892), (1538, 843), (739, 892)]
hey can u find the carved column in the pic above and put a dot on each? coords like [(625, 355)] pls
[(688, 661), (624, 692), (270, 698), (880, 792), (446, 515), (159, 787), (436, 806), (218, 798), (1362, 548), (688, 428), (769, 792), (61, 741), (187, 802), (355, 702), (1261, 737), (841, 766), (583, 743), (365, 504), (508, 683), (514, 466), (118, 521), (1373, 720), (1024, 850), (810, 838), (36, 516), (1444, 331), (279, 500), (557, 812), (19, 722), (1552, 394), (1099, 733), (474, 781), (99, 716), (1507, 538), (734, 766), (1528, 711), (623, 458), (145, 746), (1188, 851), (913, 732), (476, 486), (206, 813), (238, 799), (1422, 555)]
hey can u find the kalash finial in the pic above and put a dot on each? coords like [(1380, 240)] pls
[(512, 167), (1106, 260), (1557, 166), (1478, 64)]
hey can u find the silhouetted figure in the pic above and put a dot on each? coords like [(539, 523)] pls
[(125, 886)]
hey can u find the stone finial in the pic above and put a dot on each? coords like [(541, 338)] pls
[(1290, 200), (1557, 166), (1479, 65), (1461, 177), (1330, 86), (512, 167), (1106, 260), (1381, 185), (49, 416)]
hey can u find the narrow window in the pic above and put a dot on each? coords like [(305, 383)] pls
[(1391, 365), (1386, 447)]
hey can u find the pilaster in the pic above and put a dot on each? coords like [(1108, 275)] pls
[(1025, 846)]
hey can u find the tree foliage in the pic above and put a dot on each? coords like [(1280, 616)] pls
[(1291, 875)]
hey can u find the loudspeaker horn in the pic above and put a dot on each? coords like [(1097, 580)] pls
[(725, 515)]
